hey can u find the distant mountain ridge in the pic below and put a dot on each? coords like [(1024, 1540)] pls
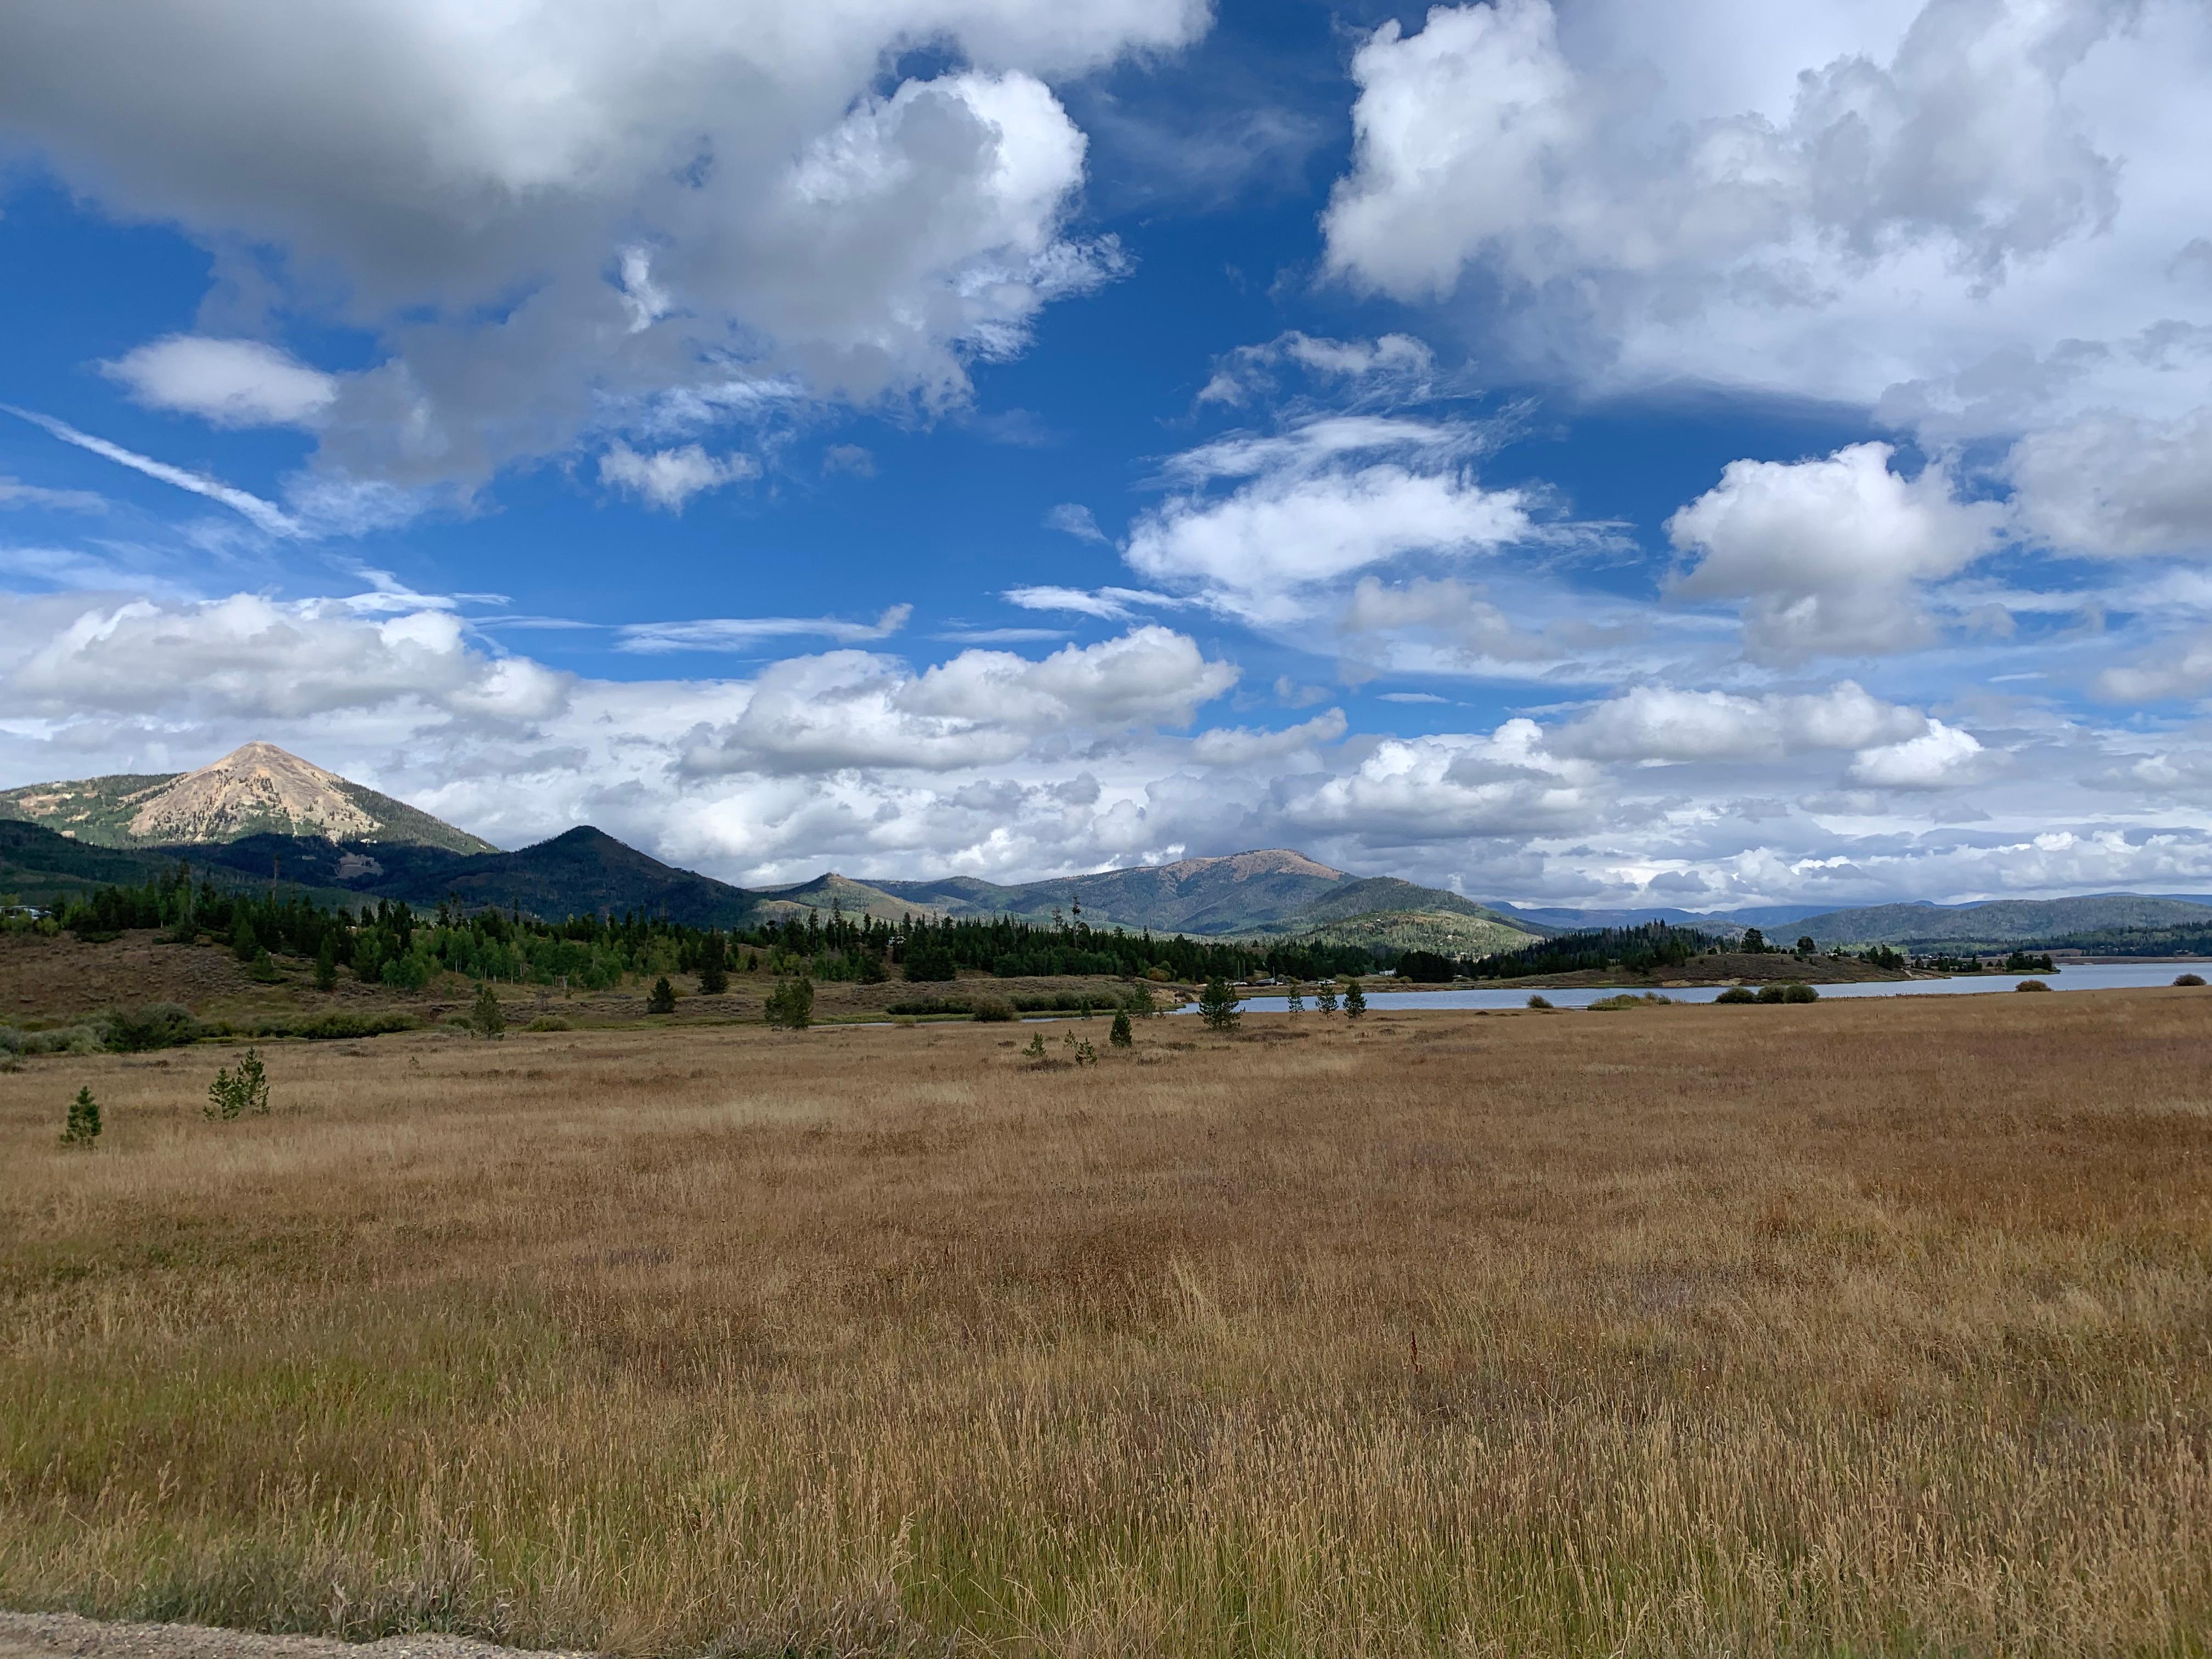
[(2001, 921), (1269, 892), (257, 789)]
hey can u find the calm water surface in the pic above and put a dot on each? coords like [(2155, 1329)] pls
[(2085, 976)]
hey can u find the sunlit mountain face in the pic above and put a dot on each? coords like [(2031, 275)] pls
[(1597, 456)]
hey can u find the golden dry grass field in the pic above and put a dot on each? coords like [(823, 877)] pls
[(1864, 1328)]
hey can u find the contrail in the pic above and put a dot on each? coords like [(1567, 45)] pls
[(265, 515)]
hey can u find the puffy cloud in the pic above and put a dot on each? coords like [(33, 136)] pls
[(849, 708), (1240, 746), (1449, 786), (1316, 507), (251, 657), (2113, 484), (1657, 723), (699, 192), (2178, 668), (1827, 199), (1827, 555), (1477, 629), (228, 382), (1941, 757), (667, 478)]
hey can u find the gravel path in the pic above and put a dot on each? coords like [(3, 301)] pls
[(65, 1636)]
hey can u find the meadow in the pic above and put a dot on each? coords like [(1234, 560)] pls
[(1871, 1327)]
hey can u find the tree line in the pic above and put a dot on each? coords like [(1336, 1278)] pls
[(393, 944)]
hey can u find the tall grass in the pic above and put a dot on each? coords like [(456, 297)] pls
[(1844, 1329)]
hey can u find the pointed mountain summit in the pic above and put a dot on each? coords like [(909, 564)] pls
[(256, 790)]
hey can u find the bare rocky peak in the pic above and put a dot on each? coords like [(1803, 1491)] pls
[(1242, 867), (256, 787)]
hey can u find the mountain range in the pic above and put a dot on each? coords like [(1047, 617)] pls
[(260, 815)]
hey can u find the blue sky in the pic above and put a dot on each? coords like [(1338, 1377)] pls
[(1547, 448)]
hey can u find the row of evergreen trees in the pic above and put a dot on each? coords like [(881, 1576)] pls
[(391, 943)]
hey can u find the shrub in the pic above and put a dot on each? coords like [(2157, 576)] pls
[(790, 1006), (486, 1018), (904, 1021), (327, 1027), (2031, 985), (1120, 1036), (991, 1011), (244, 1090), (149, 1026), (1795, 992), (1737, 994), (2190, 979), (1217, 1007), (82, 1127), (1629, 1000), (263, 969), (1769, 993), (1540, 1002), (549, 1023), (662, 1000), (59, 1040)]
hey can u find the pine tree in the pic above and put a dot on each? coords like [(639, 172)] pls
[(83, 1125), (662, 1000), (790, 1006), (1120, 1036), (243, 944), (714, 967), (1325, 998), (1296, 1002), (326, 965), (1217, 1007), (486, 1018), (1355, 1000)]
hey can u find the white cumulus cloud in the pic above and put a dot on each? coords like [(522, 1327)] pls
[(227, 382), (1827, 556)]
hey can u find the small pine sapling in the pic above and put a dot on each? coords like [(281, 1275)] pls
[(1219, 1007), (82, 1127), (1120, 1036), (1325, 998), (790, 1006), (1355, 1000), (1036, 1050), (1085, 1055), (486, 1018), (1296, 1002), (245, 1089), (662, 1000)]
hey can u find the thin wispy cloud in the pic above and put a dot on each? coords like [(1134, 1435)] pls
[(264, 515), (735, 633)]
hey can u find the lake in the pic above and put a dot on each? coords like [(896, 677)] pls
[(2083, 976)]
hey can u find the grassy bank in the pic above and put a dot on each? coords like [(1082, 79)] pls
[(1848, 1328)]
